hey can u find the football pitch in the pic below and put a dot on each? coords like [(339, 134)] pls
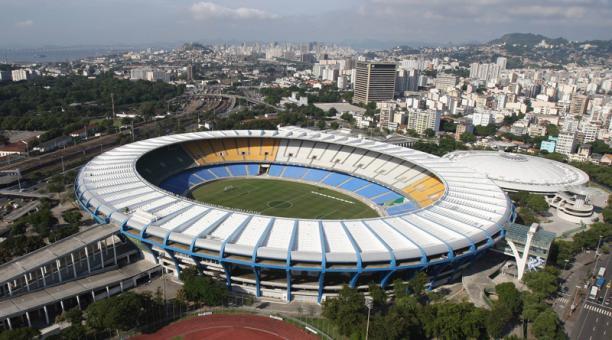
[(282, 198)]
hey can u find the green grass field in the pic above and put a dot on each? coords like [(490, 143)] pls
[(282, 198)]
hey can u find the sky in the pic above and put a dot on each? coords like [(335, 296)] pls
[(34, 23)]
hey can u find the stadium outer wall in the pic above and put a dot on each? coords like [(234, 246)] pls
[(291, 279)]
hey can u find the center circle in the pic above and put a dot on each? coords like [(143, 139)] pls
[(279, 204)]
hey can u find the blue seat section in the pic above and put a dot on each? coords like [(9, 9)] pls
[(177, 183), (389, 196), (335, 179), (253, 169), (237, 169), (315, 175), (401, 208), (354, 184), (372, 190), (220, 171), (294, 172), (276, 170), (205, 174)]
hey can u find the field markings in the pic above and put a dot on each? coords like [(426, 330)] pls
[(332, 197)]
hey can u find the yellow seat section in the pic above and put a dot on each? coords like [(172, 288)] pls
[(194, 151), (425, 191), (231, 150), (255, 152), (269, 148), (218, 150), (243, 148)]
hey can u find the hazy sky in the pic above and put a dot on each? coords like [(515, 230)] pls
[(95, 22)]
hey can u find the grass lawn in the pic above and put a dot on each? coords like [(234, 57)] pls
[(282, 198)]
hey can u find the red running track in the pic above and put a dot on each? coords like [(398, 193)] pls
[(229, 326)]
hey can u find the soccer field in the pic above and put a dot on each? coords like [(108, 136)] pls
[(282, 198)]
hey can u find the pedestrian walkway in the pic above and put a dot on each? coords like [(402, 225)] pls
[(562, 300), (599, 310)]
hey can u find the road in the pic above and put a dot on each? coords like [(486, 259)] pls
[(595, 318)]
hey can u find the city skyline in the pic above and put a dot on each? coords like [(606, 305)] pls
[(33, 23)]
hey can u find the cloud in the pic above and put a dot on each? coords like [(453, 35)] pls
[(24, 23), (208, 10)]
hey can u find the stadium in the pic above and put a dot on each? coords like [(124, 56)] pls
[(294, 214)]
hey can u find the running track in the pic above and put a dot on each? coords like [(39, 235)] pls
[(228, 326)]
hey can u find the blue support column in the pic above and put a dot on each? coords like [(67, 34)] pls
[(289, 295), (228, 276), (257, 281), (321, 282)]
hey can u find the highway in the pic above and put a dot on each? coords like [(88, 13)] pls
[(595, 319)]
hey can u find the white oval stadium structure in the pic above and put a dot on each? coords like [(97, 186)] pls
[(435, 216)]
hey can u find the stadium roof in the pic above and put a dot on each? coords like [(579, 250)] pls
[(517, 172), (471, 211)]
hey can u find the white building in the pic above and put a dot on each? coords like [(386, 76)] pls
[(420, 121), (482, 118), (567, 142)]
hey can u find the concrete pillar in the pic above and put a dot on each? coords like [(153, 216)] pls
[(107, 292), (93, 295), (73, 265), (8, 321), (58, 263), (114, 250), (42, 272), (101, 253), (27, 314), (46, 315), (8, 284), (87, 258), (79, 302), (521, 262), (121, 286), (25, 276), (62, 305)]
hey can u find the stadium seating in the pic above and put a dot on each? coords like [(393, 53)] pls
[(155, 166), (422, 191), (425, 190), (237, 169)]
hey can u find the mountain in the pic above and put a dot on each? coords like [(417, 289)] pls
[(526, 39)]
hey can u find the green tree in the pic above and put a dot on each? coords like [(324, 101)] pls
[(429, 133), (417, 284), (334, 125), (543, 282), (552, 130), (19, 334), (347, 311), (201, 288), (509, 296), (547, 326), (72, 217), (378, 295), (537, 203), (321, 124), (467, 137)]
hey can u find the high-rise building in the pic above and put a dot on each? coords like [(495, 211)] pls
[(420, 120), (579, 104), (374, 82), (567, 142), (20, 74), (444, 81), (5, 76), (502, 61), (463, 126)]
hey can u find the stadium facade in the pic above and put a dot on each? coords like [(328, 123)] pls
[(435, 216)]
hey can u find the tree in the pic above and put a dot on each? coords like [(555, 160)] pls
[(467, 137), (334, 125), (347, 311), (543, 282), (509, 296), (122, 312), (498, 320), (417, 283), (552, 130), (547, 326), (72, 217), (200, 288), (378, 295), (25, 333), (452, 321), (400, 289), (429, 133), (321, 124), (537, 203), (347, 117)]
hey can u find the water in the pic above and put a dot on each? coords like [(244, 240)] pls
[(55, 54)]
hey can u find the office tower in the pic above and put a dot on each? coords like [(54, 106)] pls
[(374, 82), (579, 104)]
